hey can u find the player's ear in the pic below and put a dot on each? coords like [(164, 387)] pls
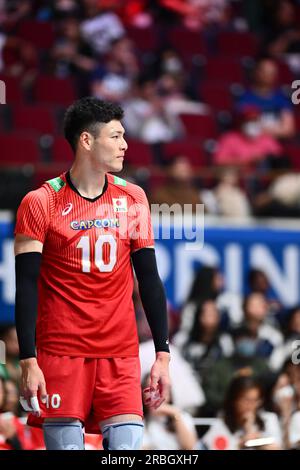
[(86, 140)]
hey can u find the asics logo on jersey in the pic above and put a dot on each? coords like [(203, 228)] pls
[(67, 209), (97, 223)]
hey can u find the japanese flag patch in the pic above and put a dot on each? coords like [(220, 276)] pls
[(120, 204)]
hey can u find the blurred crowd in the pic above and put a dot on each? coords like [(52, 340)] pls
[(206, 87), (235, 374)]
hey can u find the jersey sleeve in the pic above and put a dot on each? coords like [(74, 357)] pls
[(143, 235), (33, 215)]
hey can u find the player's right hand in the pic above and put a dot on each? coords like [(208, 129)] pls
[(32, 381)]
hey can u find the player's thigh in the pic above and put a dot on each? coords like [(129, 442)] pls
[(68, 382), (118, 389)]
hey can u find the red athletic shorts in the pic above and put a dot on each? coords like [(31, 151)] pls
[(89, 389)]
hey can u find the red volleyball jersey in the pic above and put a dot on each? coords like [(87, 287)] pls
[(85, 286)]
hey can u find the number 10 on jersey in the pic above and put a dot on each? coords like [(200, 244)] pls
[(84, 244)]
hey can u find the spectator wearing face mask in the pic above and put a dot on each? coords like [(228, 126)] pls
[(221, 373), (249, 144), (291, 334), (292, 369), (280, 399)]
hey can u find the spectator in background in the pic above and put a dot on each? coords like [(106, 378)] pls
[(291, 367), (179, 188), (12, 13), (291, 334), (282, 38), (171, 89), (114, 79), (267, 338), (12, 435), (206, 343), (280, 399), (168, 427), (277, 119), (11, 398), (243, 361), (281, 198), (101, 26), (227, 198), (71, 55), (11, 369), (208, 283), (20, 58), (250, 145), (146, 118), (259, 282), (242, 419)]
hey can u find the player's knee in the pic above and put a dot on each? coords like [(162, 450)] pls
[(61, 434), (123, 436)]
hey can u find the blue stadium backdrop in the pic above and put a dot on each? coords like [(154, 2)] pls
[(274, 249)]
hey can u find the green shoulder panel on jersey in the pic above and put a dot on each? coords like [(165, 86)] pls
[(119, 181), (56, 183)]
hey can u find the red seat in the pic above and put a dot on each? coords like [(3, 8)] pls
[(293, 152), (202, 127), (61, 151), (145, 39), (192, 150), (285, 76), (60, 91), (14, 93), (35, 118), (216, 94), (19, 149), (237, 44), (187, 42), (224, 69), (138, 153), (40, 33)]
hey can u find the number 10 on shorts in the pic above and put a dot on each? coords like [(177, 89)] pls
[(53, 401)]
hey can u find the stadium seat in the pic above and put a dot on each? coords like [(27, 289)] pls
[(14, 93), (40, 33), (186, 42), (224, 69), (202, 127), (293, 152), (192, 150), (138, 153), (237, 44), (145, 39), (34, 118), (216, 94), (61, 151), (60, 91), (285, 74), (19, 149)]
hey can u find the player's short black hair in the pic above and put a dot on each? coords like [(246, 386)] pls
[(86, 114)]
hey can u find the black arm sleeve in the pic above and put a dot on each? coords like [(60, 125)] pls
[(152, 295), (27, 272)]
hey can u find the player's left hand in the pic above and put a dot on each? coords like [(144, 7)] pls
[(160, 380)]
